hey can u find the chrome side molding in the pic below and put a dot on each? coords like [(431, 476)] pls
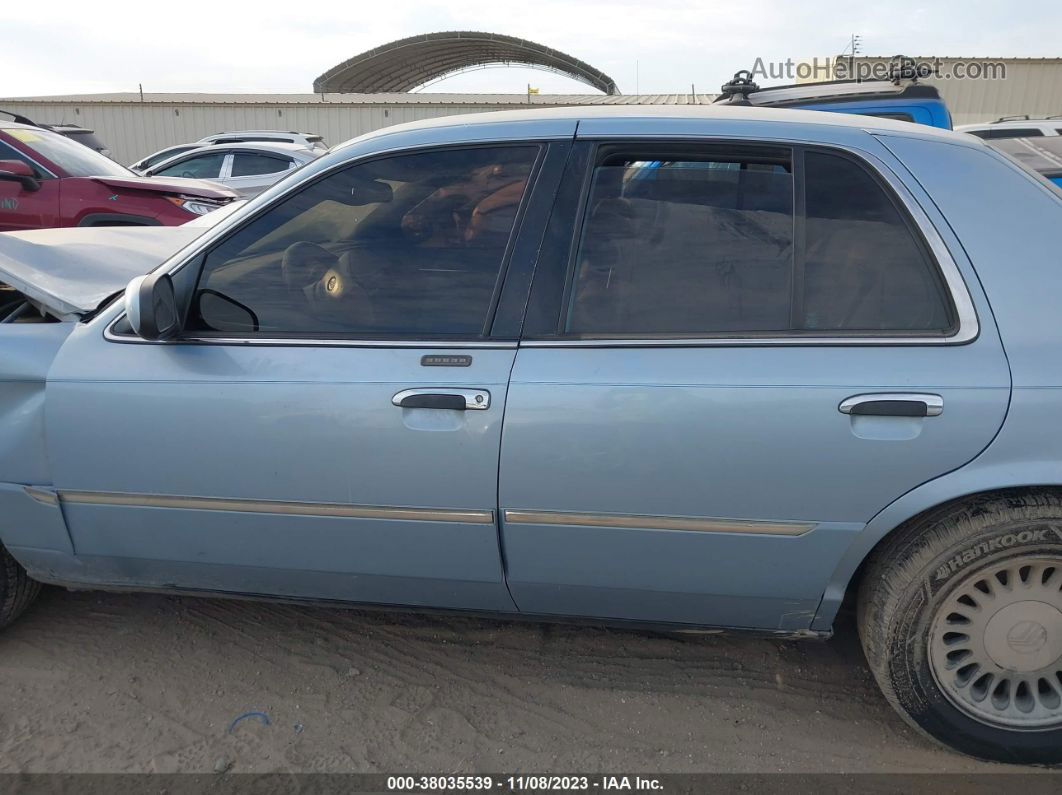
[(239, 505), (694, 524)]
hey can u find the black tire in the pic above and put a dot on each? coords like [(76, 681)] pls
[(17, 590), (908, 590)]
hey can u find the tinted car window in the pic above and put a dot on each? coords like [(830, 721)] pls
[(246, 165), (410, 245), (708, 247), (72, 157), (199, 167), (685, 247), (10, 153), (863, 269)]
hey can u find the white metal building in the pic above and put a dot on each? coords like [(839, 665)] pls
[(133, 128), (135, 125)]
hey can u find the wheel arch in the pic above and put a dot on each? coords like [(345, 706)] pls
[(943, 494), (118, 219)]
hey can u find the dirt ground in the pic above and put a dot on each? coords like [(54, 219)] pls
[(128, 682)]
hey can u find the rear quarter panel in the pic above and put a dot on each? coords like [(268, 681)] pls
[(1010, 226)]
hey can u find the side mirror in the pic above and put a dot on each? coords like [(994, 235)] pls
[(151, 306), (20, 172)]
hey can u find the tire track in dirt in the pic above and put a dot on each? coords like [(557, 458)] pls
[(116, 682)]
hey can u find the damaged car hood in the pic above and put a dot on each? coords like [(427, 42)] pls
[(70, 272)]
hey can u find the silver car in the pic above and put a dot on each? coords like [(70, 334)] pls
[(247, 168)]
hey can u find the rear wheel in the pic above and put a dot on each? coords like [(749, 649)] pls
[(17, 590), (961, 620)]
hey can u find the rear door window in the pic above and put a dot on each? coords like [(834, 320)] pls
[(247, 164), (755, 242)]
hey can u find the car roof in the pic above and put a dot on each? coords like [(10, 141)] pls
[(277, 147), (716, 111), (14, 125), (258, 132)]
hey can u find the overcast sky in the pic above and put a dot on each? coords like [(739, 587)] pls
[(652, 46)]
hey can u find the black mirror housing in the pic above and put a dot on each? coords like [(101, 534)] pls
[(151, 306)]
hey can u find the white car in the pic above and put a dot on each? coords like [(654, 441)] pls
[(1014, 127), (247, 168), (308, 140)]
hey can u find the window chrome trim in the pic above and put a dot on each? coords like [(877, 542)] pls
[(308, 342), (279, 507), (640, 522), (965, 312)]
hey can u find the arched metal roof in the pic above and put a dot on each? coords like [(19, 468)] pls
[(407, 63)]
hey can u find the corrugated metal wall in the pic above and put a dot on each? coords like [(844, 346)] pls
[(133, 130)]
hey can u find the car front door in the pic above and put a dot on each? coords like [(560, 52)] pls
[(328, 423), (21, 208), (735, 355)]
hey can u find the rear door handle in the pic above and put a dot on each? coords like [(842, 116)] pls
[(901, 404), (443, 398)]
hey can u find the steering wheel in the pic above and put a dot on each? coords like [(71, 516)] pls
[(331, 293)]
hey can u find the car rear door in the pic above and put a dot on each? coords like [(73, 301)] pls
[(736, 353), (328, 425)]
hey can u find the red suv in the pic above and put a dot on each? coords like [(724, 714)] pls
[(47, 180)]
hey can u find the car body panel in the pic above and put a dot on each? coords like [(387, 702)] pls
[(69, 272), (249, 423), (705, 483), (929, 112)]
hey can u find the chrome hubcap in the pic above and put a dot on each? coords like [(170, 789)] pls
[(995, 647)]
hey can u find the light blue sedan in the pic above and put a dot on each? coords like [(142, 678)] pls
[(480, 363)]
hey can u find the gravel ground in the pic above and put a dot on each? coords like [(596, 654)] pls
[(129, 682)]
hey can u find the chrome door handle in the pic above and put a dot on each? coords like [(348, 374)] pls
[(443, 398), (900, 404)]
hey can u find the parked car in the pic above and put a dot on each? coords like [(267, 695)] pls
[(74, 132), (903, 98), (307, 140), (247, 168), (47, 180), (1042, 155), (731, 396), (1015, 127)]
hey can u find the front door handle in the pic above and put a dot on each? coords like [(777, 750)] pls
[(443, 398), (902, 404)]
